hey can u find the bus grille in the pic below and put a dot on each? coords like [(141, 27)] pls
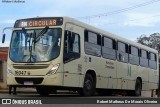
[(21, 80)]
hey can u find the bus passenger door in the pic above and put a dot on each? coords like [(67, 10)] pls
[(71, 59)]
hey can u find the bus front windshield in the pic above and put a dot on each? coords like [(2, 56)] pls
[(35, 45)]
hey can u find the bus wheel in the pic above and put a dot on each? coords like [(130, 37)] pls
[(138, 87), (88, 86), (44, 91)]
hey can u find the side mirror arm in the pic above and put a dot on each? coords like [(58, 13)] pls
[(4, 35), (3, 38)]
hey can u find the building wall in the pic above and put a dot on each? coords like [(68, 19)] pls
[(1, 73), (3, 69)]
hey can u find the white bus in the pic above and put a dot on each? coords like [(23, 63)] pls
[(61, 53)]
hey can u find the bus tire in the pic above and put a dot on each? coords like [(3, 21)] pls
[(43, 91), (88, 86), (138, 87)]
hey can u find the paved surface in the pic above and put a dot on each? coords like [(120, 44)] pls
[(33, 91), (20, 90)]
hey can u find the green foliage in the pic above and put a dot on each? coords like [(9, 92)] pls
[(152, 41)]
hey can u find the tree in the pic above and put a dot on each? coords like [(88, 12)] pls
[(152, 41)]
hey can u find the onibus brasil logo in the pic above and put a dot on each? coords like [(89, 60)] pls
[(20, 101)]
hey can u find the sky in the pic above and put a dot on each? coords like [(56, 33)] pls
[(130, 24)]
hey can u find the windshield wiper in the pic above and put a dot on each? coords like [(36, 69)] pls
[(26, 37), (24, 30), (41, 33), (26, 41)]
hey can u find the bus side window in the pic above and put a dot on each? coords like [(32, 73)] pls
[(108, 48), (133, 55), (66, 42), (71, 46), (144, 58), (92, 43), (122, 52), (152, 60)]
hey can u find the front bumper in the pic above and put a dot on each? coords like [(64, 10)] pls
[(52, 80)]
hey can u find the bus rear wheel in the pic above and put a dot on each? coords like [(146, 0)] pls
[(88, 86), (138, 87), (44, 91)]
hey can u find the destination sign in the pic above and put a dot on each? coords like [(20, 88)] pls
[(39, 22)]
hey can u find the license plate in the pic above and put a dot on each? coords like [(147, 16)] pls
[(28, 82)]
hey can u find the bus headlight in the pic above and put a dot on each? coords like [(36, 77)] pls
[(9, 71), (53, 70)]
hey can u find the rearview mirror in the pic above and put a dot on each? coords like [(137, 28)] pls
[(3, 38)]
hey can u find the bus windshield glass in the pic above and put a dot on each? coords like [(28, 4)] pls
[(28, 45)]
